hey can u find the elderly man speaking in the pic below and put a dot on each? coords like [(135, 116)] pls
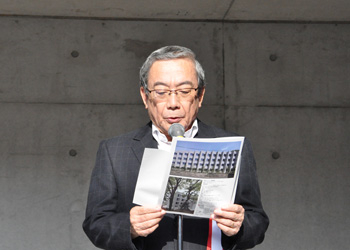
[(172, 89)]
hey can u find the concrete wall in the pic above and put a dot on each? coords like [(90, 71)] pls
[(65, 84)]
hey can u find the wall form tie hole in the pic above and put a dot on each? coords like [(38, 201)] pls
[(73, 152), (74, 53), (275, 155), (273, 57)]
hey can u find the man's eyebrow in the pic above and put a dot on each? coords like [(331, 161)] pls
[(177, 85), (160, 84), (185, 83)]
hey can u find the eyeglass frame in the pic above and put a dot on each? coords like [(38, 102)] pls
[(170, 91)]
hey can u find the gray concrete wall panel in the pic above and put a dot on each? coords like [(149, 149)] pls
[(47, 155), (287, 64), (134, 9), (287, 89), (91, 61), (283, 10), (303, 164)]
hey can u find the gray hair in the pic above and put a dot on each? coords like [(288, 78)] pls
[(168, 53)]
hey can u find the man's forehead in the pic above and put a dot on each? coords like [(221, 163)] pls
[(178, 72), (186, 63)]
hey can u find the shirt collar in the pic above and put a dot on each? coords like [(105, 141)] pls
[(163, 142)]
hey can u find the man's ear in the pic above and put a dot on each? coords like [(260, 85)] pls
[(201, 97), (144, 97)]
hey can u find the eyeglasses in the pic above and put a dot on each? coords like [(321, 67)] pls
[(163, 94)]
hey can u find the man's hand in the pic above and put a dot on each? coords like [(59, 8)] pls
[(229, 218), (144, 220)]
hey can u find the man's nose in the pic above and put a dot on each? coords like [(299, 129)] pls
[(173, 100)]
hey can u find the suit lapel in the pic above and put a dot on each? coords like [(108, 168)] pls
[(143, 139), (204, 131)]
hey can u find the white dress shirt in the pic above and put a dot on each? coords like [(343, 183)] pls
[(162, 140)]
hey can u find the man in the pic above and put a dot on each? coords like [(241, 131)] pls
[(172, 90)]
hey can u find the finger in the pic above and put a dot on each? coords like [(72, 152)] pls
[(233, 208), (218, 214), (140, 218), (224, 221), (143, 232), (146, 224), (236, 215), (141, 210), (229, 231), (227, 226), (144, 228)]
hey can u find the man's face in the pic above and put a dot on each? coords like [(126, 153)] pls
[(174, 108)]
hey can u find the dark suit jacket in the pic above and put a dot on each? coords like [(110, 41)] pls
[(112, 188)]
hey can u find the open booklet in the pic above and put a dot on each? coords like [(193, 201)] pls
[(194, 178)]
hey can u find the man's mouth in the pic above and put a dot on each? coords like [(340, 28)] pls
[(172, 120)]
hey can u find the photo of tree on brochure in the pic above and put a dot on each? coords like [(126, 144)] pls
[(181, 194)]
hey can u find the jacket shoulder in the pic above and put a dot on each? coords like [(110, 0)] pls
[(136, 134), (206, 130)]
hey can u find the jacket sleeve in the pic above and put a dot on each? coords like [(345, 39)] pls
[(255, 221), (106, 224)]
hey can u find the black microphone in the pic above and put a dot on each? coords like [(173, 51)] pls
[(176, 130)]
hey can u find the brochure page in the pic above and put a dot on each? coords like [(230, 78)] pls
[(194, 178)]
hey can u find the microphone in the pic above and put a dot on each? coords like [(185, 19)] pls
[(176, 130)]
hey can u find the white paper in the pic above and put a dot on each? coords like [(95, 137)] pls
[(213, 195), (153, 174)]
